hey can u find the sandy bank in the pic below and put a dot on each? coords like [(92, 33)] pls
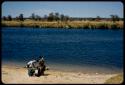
[(19, 75)]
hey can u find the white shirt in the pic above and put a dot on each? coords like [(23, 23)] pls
[(30, 63)]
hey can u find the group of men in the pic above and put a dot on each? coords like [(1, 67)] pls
[(36, 67)]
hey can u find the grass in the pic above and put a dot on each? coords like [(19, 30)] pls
[(68, 24), (118, 79)]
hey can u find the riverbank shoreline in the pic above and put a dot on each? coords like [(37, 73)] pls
[(89, 69), (13, 74), (65, 25)]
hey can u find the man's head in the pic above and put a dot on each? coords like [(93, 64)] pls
[(40, 57)]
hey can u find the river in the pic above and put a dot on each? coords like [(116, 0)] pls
[(69, 49)]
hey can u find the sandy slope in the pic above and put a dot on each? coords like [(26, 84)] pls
[(19, 75)]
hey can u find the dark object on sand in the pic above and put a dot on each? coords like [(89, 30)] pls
[(42, 69), (30, 71), (37, 71), (36, 68)]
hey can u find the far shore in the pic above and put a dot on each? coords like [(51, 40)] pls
[(18, 75), (65, 24)]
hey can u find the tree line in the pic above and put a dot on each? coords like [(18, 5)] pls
[(58, 17)]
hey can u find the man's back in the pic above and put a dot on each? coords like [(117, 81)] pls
[(31, 63)]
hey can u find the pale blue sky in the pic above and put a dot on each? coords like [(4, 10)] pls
[(73, 9)]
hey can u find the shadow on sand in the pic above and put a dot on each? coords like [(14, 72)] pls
[(45, 75)]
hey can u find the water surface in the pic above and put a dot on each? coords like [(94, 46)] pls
[(72, 49)]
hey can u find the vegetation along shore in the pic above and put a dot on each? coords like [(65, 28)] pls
[(55, 20)]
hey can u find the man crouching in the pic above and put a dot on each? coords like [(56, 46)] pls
[(36, 67)]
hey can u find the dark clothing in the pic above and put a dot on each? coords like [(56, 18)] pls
[(31, 71), (42, 69), (41, 63), (39, 66)]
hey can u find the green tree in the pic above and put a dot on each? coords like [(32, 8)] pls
[(21, 17), (62, 17), (51, 17), (32, 16), (66, 18), (9, 18), (115, 18), (56, 16), (17, 18), (4, 18), (98, 18), (37, 17)]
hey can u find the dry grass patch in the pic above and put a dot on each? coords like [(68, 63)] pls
[(118, 79)]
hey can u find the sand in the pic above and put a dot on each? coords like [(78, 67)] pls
[(18, 75)]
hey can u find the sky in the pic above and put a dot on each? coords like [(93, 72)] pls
[(73, 9)]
